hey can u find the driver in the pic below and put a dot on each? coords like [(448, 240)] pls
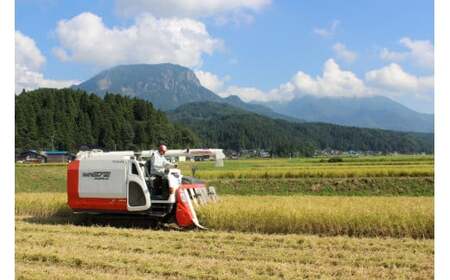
[(158, 165)]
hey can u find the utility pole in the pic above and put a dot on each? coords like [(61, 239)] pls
[(53, 138)]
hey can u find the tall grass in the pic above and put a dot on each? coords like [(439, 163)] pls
[(42, 205), (353, 216)]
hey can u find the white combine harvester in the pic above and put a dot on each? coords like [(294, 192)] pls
[(119, 182)]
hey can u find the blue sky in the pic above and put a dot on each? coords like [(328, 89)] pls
[(261, 50)]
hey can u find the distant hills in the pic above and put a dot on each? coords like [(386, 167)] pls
[(228, 127), (167, 86), (372, 112), (257, 108)]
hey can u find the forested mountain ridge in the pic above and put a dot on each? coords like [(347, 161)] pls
[(224, 126), (67, 119)]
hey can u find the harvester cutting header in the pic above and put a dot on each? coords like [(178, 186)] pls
[(142, 183)]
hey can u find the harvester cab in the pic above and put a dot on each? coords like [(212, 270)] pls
[(119, 182)]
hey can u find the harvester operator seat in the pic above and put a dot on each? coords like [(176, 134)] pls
[(157, 185)]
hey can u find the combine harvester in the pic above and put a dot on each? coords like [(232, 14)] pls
[(119, 182)]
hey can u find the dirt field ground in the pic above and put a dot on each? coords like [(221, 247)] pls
[(65, 251)]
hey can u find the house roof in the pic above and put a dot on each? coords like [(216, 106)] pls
[(54, 153), (32, 152)]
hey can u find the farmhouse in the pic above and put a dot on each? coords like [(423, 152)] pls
[(32, 156), (58, 156), (197, 155)]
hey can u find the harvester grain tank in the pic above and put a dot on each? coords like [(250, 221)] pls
[(120, 182)]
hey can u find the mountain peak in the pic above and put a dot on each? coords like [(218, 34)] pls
[(166, 70), (166, 85), (233, 98)]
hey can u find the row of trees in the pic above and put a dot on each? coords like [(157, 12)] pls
[(67, 119)]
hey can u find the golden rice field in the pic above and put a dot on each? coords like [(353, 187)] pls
[(252, 234), (351, 216), (42, 205), (66, 251)]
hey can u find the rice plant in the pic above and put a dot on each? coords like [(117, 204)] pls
[(352, 216)]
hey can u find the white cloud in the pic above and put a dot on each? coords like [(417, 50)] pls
[(388, 55), (393, 78), (420, 52), (60, 53), (223, 10), (27, 53), (29, 61), (333, 82), (343, 53), (85, 38), (327, 31), (211, 81), (29, 79)]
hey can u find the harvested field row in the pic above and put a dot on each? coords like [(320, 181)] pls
[(105, 253), (352, 216), (363, 186)]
